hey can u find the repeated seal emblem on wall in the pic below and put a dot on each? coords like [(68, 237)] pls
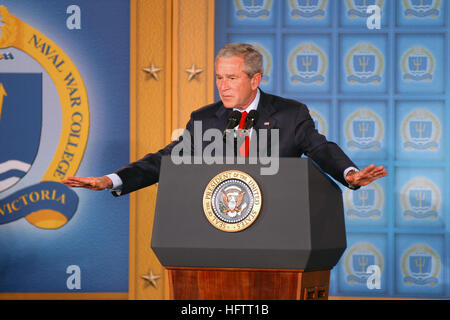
[(232, 201)]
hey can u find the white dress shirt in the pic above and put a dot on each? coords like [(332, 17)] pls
[(251, 106)]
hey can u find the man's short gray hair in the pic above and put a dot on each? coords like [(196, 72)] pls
[(253, 60)]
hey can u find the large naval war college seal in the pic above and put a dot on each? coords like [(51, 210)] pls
[(232, 201)]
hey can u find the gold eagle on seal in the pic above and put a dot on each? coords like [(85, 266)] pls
[(233, 202)]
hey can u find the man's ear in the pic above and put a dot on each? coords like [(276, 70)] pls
[(256, 80)]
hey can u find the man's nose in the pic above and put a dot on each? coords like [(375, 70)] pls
[(224, 84)]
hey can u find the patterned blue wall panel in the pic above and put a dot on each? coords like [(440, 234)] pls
[(363, 129), (306, 60), (420, 265), (419, 197), (307, 13), (353, 13), (367, 205), (363, 63), (251, 12), (421, 63), (362, 251), (420, 130), (421, 12), (383, 95)]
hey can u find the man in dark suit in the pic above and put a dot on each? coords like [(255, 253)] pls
[(239, 70)]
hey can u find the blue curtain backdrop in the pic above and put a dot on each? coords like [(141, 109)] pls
[(383, 96)]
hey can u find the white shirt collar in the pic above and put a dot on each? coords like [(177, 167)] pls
[(253, 105)]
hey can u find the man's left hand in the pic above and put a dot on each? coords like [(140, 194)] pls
[(366, 175)]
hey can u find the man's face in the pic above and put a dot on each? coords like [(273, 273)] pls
[(235, 88)]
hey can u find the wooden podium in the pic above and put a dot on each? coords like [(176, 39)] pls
[(247, 284), (287, 253)]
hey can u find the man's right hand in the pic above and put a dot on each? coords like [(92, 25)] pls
[(92, 183)]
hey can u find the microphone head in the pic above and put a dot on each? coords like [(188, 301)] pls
[(253, 115), (251, 119), (234, 118)]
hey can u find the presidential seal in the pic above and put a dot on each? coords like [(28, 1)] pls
[(232, 201)]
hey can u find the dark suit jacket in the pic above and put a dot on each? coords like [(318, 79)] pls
[(297, 136)]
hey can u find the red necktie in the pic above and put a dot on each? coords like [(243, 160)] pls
[(244, 149)]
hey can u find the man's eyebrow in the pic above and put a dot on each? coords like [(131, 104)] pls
[(227, 75)]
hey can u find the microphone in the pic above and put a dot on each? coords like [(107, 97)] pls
[(251, 120), (233, 121)]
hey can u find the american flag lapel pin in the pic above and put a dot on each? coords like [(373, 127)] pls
[(267, 123)]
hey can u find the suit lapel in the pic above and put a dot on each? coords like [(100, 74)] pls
[(265, 122), (222, 115), (265, 113)]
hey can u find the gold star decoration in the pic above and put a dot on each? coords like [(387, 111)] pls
[(193, 72), (152, 71), (151, 278)]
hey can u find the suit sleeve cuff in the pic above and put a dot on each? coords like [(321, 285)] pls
[(117, 183), (346, 171)]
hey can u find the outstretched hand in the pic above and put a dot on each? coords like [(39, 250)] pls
[(366, 175), (92, 183)]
